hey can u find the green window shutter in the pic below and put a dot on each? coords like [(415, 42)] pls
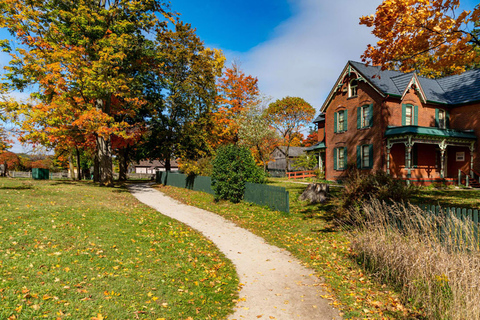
[(370, 115), (335, 116), (437, 123), (345, 122), (335, 159), (404, 114), (370, 155), (415, 120), (447, 119), (359, 157), (359, 117), (345, 161)]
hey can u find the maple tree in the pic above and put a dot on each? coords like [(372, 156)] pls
[(182, 95), (84, 56), (289, 115), (8, 160), (431, 37), (311, 139), (236, 91)]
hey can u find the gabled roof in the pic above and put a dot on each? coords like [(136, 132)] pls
[(452, 90), (292, 151), (317, 146)]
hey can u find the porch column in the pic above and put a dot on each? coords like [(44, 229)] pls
[(472, 150), (408, 150), (443, 147), (389, 147), (320, 161)]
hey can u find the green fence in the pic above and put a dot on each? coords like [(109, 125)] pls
[(40, 174), (180, 180), (276, 198), (462, 234)]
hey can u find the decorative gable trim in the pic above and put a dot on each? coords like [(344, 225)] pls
[(346, 73), (414, 84)]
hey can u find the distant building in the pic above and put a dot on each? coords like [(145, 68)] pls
[(276, 167), (150, 167)]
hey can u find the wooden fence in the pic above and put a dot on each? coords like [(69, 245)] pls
[(301, 174)]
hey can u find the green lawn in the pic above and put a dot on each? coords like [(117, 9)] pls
[(71, 250), (309, 234), (450, 197)]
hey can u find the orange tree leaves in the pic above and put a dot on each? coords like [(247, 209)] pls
[(431, 37), (236, 91)]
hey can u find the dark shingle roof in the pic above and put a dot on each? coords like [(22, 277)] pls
[(453, 90), (320, 118)]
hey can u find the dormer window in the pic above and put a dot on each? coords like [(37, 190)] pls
[(352, 88)]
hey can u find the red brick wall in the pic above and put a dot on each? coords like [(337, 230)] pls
[(353, 136), (468, 117)]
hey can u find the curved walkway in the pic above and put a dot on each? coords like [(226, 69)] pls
[(274, 284)]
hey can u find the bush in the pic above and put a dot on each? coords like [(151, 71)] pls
[(232, 167), (361, 187)]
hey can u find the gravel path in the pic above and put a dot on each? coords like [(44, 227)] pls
[(275, 284)]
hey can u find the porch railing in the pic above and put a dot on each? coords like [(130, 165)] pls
[(467, 178)]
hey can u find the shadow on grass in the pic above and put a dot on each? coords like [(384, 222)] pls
[(17, 188)]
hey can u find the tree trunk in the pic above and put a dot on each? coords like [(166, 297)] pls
[(96, 167), (79, 173), (72, 168), (168, 166), (122, 163), (105, 161), (5, 168)]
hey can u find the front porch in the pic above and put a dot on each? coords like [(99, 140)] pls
[(426, 155)]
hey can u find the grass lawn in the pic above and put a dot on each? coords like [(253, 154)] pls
[(450, 197), (72, 250), (308, 233)]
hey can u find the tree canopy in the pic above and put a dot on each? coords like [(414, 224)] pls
[(434, 38)]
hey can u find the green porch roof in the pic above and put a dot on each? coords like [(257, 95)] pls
[(430, 131), (316, 146)]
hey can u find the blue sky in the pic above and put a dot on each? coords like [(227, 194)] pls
[(294, 47)]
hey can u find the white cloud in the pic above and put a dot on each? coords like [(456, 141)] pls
[(307, 52)]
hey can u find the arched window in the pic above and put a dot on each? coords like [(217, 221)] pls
[(352, 88)]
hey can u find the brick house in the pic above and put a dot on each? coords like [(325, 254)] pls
[(414, 128)]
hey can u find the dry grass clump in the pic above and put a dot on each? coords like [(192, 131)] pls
[(434, 260)]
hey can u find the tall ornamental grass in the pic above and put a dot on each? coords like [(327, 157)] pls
[(434, 260)]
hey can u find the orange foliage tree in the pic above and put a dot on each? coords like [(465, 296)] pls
[(432, 37), (289, 115), (236, 91), (84, 56), (8, 160)]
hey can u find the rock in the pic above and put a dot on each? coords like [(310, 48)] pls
[(315, 193)]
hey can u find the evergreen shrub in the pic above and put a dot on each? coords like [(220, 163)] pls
[(232, 167)]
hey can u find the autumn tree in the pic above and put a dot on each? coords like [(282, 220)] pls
[(236, 91), (255, 132), (83, 55), (289, 115), (182, 94), (431, 37), (9, 160)]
